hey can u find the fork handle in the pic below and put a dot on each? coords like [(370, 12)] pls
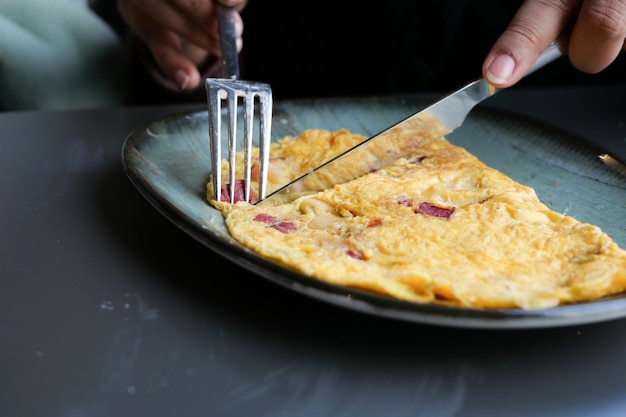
[(228, 41)]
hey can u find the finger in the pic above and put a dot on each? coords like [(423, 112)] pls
[(598, 35), (187, 18), (203, 13), (535, 25), (164, 46), (173, 60), (238, 4)]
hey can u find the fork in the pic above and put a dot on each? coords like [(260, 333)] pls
[(234, 92)]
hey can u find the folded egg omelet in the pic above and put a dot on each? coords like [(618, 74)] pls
[(437, 226)]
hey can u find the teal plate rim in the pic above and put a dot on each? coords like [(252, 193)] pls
[(169, 164)]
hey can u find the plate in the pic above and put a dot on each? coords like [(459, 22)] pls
[(169, 163)]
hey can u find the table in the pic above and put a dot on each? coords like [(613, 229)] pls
[(108, 309)]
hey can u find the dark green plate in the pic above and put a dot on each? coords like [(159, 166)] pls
[(169, 163)]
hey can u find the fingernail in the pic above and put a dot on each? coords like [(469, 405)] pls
[(181, 78), (500, 69)]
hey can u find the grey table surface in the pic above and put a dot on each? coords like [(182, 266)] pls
[(108, 309)]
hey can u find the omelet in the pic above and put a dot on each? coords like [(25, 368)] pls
[(435, 227)]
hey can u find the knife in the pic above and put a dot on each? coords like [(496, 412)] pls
[(398, 140)]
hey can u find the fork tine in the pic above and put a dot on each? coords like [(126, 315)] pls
[(264, 98), (248, 116), (265, 128), (215, 134), (232, 142)]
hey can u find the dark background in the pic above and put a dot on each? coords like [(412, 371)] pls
[(401, 46), (318, 49)]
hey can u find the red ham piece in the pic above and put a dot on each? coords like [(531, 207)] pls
[(281, 226), (435, 211), (239, 192)]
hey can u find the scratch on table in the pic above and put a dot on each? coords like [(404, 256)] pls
[(341, 390)]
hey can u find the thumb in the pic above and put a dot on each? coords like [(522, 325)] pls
[(532, 29)]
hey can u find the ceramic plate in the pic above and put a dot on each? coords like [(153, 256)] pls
[(169, 163)]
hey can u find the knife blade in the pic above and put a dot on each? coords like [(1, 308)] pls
[(398, 140)]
